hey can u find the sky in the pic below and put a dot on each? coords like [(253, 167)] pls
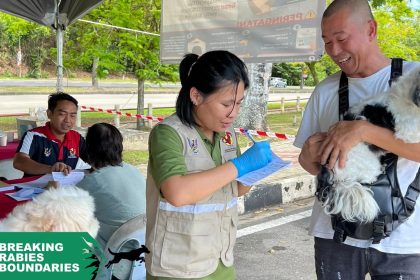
[(415, 4)]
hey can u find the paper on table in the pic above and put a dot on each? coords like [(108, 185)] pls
[(41, 182), (31, 189), (72, 178), (275, 165), (25, 193)]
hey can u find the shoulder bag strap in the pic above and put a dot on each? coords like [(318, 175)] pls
[(396, 69), (412, 194), (343, 96)]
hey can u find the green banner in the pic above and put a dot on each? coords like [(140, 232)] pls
[(50, 255)]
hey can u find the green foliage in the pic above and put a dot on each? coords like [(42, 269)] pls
[(398, 34), (289, 71), (34, 41), (118, 50)]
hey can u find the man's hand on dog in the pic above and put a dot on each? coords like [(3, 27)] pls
[(341, 137), (61, 167), (310, 155)]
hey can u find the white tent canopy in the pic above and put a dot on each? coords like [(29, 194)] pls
[(57, 14)]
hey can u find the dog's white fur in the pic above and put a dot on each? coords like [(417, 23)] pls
[(350, 198), (63, 209)]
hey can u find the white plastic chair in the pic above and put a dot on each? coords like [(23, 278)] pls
[(134, 229)]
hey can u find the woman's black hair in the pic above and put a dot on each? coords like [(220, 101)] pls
[(207, 73), (104, 145)]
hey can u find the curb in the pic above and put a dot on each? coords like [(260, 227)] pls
[(283, 190)]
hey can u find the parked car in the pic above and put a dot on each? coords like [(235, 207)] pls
[(278, 82)]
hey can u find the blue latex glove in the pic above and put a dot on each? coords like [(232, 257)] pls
[(259, 155)]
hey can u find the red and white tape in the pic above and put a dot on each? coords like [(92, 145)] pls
[(138, 116), (159, 119), (264, 133)]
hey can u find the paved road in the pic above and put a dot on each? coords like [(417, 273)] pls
[(52, 83), (280, 248), (14, 104)]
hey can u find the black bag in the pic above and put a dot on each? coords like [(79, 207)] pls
[(394, 207)]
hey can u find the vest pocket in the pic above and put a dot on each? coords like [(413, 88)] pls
[(189, 246)]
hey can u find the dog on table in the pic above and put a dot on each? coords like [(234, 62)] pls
[(397, 109), (62, 209)]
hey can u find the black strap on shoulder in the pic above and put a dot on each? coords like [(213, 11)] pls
[(343, 96), (396, 69)]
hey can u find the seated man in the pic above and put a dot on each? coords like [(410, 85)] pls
[(53, 147)]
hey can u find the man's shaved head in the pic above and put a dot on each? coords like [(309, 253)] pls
[(360, 8)]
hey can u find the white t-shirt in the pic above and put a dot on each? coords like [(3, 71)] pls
[(320, 113)]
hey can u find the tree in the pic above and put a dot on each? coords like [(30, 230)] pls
[(129, 51), (312, 69), (33, 39), (254, 107), (289, 71), (398, 34), (90, 47)]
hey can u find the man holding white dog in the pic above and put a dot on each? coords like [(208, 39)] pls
[(55, 146), (349, 32)]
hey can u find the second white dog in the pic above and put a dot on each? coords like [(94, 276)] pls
[(63, 209)]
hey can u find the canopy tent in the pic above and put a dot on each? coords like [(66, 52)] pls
[(57, 14)]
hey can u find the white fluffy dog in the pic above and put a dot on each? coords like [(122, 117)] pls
[(397, 109), (63, 209)]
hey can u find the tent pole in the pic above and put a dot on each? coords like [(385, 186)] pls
[(59, 34)]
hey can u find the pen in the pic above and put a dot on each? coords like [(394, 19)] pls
[(249, 136)]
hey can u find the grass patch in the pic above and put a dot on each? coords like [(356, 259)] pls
[(135, 157)]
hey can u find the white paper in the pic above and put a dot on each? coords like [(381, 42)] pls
[(29, 190), (6, 188), (25, 193), (72, 178), (41, 182), (275, 165), (81, 164)]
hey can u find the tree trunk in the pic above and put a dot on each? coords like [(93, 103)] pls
[(254, 108), (94, 73), (140, 103), (311, 66)]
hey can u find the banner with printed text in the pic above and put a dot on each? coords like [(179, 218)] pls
[(258, 31), (50, 255)]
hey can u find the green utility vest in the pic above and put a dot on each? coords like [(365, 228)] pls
[(189, 240)]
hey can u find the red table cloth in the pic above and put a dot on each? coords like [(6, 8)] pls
[(8, 152), (6, 202)]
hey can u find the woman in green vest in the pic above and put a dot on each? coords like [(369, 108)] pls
[(194, 160)]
